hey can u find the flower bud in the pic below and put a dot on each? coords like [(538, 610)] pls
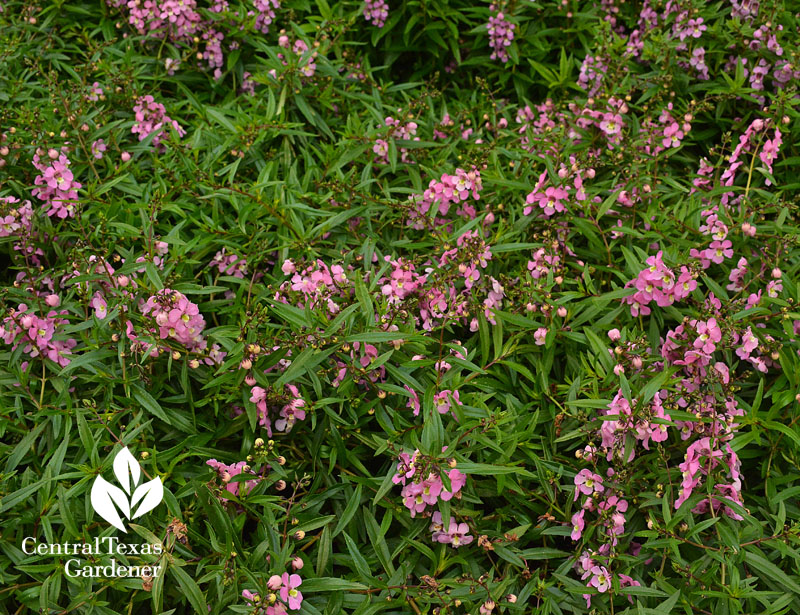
[(52, 300), (194, 363), (299, 535), (125, 156), (246, 364), (281, 460), (297, 563), (176, 355), (280, 485), (512, 598), (274, 582)]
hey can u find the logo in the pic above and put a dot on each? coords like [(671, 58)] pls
[(133, 499)]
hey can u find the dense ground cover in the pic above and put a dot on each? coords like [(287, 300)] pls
[(418, 307)]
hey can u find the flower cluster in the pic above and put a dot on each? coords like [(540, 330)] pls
[(177, 318), (395, 130), (152, 118), (182, 23), (702, 457), (402, 282), (226, 473), (56, 184), (592, 72), (292, 407), (38, 336), (594, 567), (456, 535), (659, 283), (424, 481), (552, 199), (361, 355), (642, 426), (305, 60), (16, 221), (284, 593), (376, 12), (316, 284), (229, 264), (265, 13), (501, 34), (603, 499), (437, 199)]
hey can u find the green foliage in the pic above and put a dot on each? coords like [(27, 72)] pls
[(293, 170)]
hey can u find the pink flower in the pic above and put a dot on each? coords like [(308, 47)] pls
[(457, 536), (376, 12), (501, 34), (601, 579), (457, 481), (413, 401), (719, 251), (586, 482), (550, 201), (99, 305), (539, 336), (611, 124), (577, 525), (709, 334), (443, 400), (98, 147), (227, 472), (289, 592)]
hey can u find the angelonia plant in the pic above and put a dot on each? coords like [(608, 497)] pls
[(412, 307)]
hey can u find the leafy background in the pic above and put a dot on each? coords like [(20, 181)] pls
[(290, 171)]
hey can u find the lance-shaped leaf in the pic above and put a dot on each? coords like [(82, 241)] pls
[(103, 497), (150, 493), (126, 468)]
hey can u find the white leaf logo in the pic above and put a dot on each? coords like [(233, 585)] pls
[(108, 500)]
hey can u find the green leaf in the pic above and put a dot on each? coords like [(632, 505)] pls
[(349, 512), (190, 589), (330, 584), (146, 401), (770, 572), (358, 560)]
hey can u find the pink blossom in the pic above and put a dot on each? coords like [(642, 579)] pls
[(289, 592)]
